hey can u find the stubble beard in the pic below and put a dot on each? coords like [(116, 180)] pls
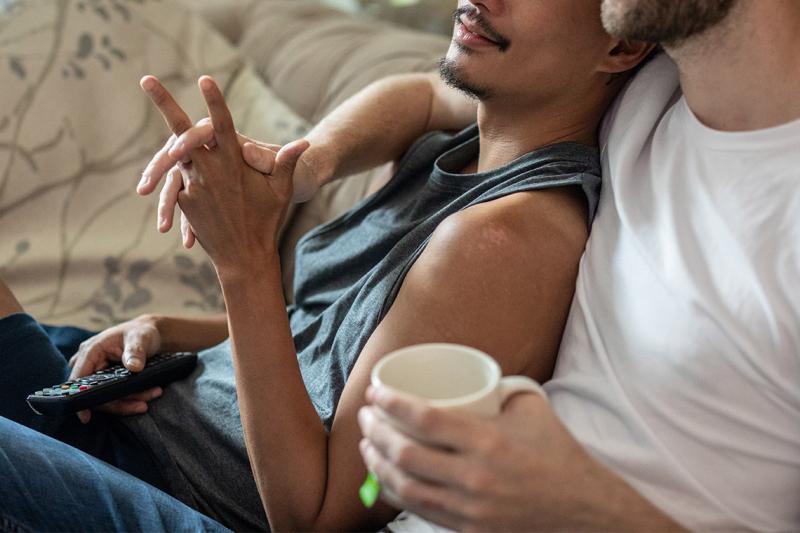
[(454, 76), (667, 22)]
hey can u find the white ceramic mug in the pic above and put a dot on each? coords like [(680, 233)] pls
[(452, 377)]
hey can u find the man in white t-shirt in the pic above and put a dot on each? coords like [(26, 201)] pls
[(676, 398)]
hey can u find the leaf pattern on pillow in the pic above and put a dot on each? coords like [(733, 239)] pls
[(77, 245)]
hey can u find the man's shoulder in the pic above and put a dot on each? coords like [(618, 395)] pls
[(508, 266), (512, 230)]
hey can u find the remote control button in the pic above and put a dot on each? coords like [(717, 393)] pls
[(64, 387), (83, 387)]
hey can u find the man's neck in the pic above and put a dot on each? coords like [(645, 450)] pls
[(508, 132), (744, 74)]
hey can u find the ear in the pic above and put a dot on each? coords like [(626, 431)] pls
[(625, 54)]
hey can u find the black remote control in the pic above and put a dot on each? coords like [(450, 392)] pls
[(111, 384)]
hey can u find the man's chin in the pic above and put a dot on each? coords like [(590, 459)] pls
[(453, 70)]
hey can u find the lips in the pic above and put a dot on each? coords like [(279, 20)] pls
[(471, 27)]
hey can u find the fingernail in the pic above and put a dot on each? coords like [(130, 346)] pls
[(158, 392), (143, 181), (162, 222)]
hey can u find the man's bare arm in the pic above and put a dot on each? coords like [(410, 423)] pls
[(378, 124), (373, 127), (528, 245)]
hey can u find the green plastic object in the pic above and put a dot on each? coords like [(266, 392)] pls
[(370, 490)]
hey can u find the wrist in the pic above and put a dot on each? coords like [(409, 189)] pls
[(257, 266)]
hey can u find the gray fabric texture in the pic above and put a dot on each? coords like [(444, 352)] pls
[(348, 274)]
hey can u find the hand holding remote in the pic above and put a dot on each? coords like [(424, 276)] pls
[(131, 343)]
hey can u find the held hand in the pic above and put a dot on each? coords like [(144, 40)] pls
[(261, 156), (468, 473), (234, 210), (177, 149), (132, 343)]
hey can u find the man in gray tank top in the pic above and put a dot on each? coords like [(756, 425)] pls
[(475, 239)]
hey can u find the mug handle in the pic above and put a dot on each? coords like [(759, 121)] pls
[(511, 385)]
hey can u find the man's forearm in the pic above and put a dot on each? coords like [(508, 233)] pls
[(378, 124), (189, 334)]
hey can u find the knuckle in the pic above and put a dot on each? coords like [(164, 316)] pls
[(86, 345), (406, 489), (404, 456), (136, 348), (492, 443), (428, 420)]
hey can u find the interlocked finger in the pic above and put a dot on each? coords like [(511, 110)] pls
[(169, 199), (220, 115)]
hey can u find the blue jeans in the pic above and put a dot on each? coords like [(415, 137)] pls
[(58, 474)]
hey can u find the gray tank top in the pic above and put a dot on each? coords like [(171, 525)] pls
[(348, 273)]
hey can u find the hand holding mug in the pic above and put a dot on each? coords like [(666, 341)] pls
[(434, 407)]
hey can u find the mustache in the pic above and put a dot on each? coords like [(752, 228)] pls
[(476, 17)]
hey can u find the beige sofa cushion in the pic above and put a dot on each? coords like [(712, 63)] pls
[(77, 245)]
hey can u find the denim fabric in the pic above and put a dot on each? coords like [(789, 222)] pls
[(46, 485), (67, 338), (29, 361)]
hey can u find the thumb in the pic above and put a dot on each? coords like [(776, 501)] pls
[(287, 158), (134, 355), (259, 157)]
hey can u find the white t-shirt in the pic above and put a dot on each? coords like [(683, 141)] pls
[(680, 365)]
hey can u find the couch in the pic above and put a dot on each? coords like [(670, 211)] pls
[(77, 245)]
